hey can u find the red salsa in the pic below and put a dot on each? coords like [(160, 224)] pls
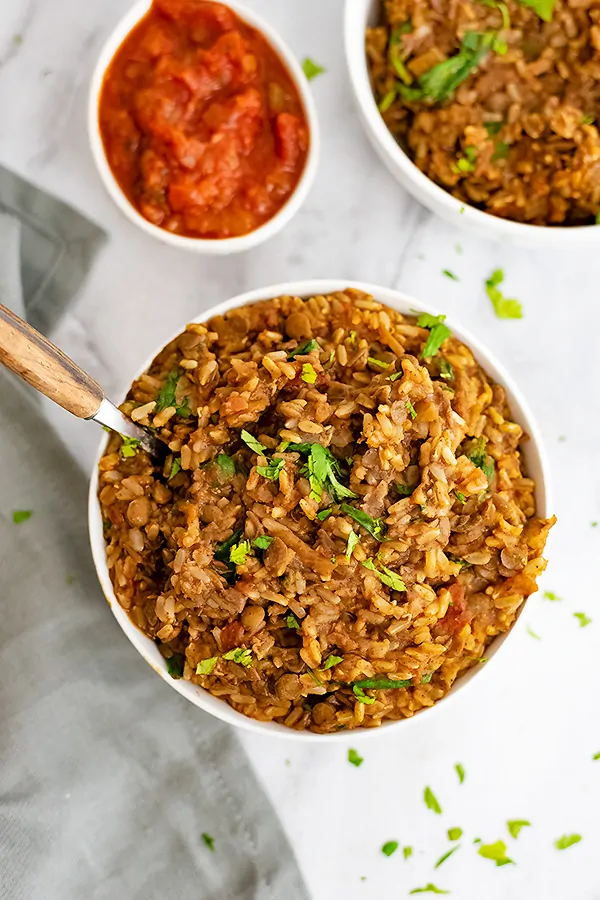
[(202, 125)]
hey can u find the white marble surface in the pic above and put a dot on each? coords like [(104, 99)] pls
[(528, 727)]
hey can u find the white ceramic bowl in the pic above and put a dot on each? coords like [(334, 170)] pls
[(216, 246), (537, 468), (359, 14)]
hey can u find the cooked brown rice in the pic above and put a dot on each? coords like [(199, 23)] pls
[(249, 567), (519, 136)]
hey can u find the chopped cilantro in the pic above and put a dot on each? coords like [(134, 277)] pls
[(353, 540), (445, 856), (251, 442), (175, 665), (292, 622), (431, 801), (222, 550), (375, 527), (446, 369), (442, 80), (501, 149), (496, 852), (324, 514), (450, 275), (460, 497), (460, 771), (395, 376), (411, 410), (407, 852), (361, 696), (583, 619), (587, 120), (263, 541), (129, 447), (354, 758), (405, 490), (311, 69), (514, 826), (386, 576), (309, 374), (428, 889), (206, 666), (175, 467), (389, 848), (387, 100), (454, 834), (322, 467), (241, 656), (493, 128), (427, 678), (504, 307), (21, 515), (548, 595), (238, 553), (543, 8), (209, 841), (596, 756), (273, 470), (438, 332), (567, 840), (166, 396), (378, 362), (331, 661), (304, 349), (532, 633), (382, 684), (594, 524), (476, 452), (226, 465)]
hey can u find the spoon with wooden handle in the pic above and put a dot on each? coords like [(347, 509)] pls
[(37, 361)]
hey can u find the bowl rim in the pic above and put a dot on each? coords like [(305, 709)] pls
[(209, 246), (356, 15), (534, 449)]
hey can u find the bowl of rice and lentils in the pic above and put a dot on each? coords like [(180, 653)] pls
[(487, 110), (350, 517)]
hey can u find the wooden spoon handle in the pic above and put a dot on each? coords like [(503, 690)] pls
[(37, 361)]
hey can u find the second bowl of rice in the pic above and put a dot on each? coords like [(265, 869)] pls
[(351, 515)]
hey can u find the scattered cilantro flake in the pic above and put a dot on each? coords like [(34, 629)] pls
[(594, 524), (324, 514), (501, 149), (263, 541), (378, 362), (273, 470), (450, 275), (226, 465), (361, 696), (411, 410), (496, 852), (460, 771), (514, 826), (166, 396), (375, 527), (311, 69), (251, 442), (442, 80), (209, 841), (438, 332), (386, 576), (331, 661), (17, 39), (387, 100), (354, 758), (175, 467), (446, 855), (240, 655), (129, 447), (308, 373), (596, 756), (476, 452), (532, 633), (427, 678), (353, 540), (304, 349), (504, 307), (583, 619), (175, 665), (407, 852), (389, 848), (549, 595), (493, 128), (587, 120), (454, 834), (206, 666), (567, 840), (476, 840), (446, 369), (405, 490), (292, 622), (352, 338), (460, 496), (428, 889), (395, 376), (543, 8), (238, 553), (21, 515), (431, 801), (323, 467), (382, 683)]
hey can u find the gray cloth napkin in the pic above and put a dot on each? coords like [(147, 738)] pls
[(108, 778)]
